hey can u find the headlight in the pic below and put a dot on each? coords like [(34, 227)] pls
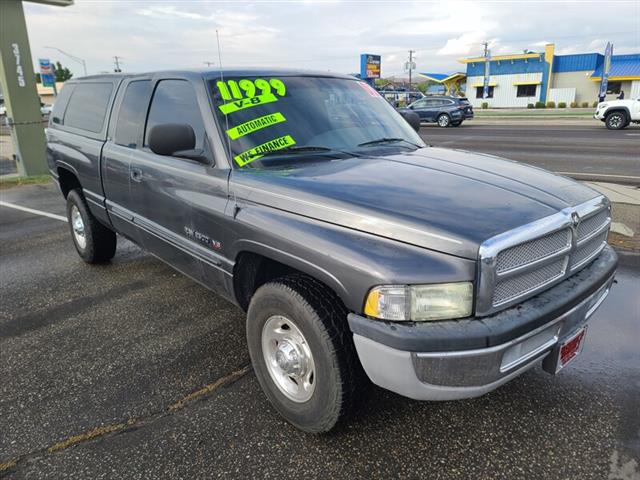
[(602, 105), (420, 302)]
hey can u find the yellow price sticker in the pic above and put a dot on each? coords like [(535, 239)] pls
[(247, 88), (255, 125), (258, 151), (244, 103)]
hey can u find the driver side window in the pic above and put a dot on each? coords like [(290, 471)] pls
[(174, 101)]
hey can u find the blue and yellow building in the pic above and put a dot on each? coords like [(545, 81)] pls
[(524, 78)]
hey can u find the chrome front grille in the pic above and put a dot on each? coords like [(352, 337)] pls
[(518, 285), (591, 224), (533, 250), (522, 262), (588, 250)]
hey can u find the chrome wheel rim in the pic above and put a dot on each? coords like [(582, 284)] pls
[(443, 121), (78, 227), (288, 358), (615, 121)]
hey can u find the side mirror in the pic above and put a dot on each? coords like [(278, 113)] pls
[(412, 119), (175, 140)]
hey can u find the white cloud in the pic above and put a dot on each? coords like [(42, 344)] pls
[(465, 44), (315, 34)]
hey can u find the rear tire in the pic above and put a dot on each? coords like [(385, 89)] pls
[(444, 120), (303, 353), (616, 121), (94, 242)]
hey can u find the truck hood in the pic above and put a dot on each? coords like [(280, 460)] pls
[(441, 199)]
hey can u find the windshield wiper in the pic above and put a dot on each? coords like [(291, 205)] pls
[(305, 148), (380, 141)]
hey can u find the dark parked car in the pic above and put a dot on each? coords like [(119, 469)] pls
[(356, 251), (444, 110)]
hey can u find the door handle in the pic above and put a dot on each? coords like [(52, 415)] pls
[(136, 174)]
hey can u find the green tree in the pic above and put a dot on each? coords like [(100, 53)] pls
[(423, 86), (62, 73), (381, 83)]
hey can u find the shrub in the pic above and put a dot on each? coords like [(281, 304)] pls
[(595, 104), (585, 104), (529, 105), (574, 104), (562, 105), (485, 105), (539, 104), (551, 104)]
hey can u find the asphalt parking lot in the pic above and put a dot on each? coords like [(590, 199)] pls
[(131, 370), (583, 149)]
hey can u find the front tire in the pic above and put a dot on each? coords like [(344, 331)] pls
[(616, 121), (443, 120), (303, 353), (94, 242)]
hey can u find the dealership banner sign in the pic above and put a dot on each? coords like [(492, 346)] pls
[(608, 53)]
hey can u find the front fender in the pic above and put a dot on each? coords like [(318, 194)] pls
[(348, 261), (625, 110)]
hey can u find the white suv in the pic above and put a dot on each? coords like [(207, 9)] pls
[(618, 114)]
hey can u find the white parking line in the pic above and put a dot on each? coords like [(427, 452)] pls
[(31, 210)]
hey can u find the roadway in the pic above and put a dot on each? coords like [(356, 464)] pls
[(584, 152), (131, 370)]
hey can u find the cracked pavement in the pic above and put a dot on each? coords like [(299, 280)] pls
[(92, 359)]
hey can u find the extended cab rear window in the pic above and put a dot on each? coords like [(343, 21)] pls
[(131, 114), (87, 108), (61, 102)]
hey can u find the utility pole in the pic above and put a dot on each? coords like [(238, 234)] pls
[(116, 60), (411, 52), (487, 71), (209, 64)]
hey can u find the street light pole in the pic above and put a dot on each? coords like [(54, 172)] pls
[(72, 57)]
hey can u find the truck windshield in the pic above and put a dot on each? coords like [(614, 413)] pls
[(304, 118)]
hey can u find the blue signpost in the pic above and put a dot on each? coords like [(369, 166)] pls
[(47, 76), (369, 67), (608, 53)]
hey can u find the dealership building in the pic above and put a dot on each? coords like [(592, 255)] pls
[(520, 79)]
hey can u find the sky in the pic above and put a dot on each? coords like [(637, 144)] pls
[(320, 35)]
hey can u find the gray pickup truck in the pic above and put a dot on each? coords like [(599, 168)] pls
[(356, 250)]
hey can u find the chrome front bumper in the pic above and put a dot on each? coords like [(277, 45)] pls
[(455, 375)]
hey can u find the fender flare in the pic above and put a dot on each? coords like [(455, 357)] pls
[(295, 262), (624, 110)]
